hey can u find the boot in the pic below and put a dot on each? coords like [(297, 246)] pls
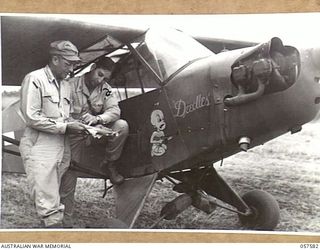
[(113, 174)]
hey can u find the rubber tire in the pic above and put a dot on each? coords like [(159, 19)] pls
[(266, 211)]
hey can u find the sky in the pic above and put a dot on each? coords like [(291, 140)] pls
[(299, 29)]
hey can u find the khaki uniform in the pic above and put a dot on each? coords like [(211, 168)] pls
[(44, 148), (100, 102)]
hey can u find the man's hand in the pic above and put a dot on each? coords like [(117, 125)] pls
[(75, 128), (89, 119)]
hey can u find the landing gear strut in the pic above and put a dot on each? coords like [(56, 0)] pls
[(256, 209)]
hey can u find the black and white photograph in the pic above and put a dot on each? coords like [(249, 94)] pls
[(161, 122)]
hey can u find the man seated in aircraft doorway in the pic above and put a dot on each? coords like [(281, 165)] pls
[(95, 105)]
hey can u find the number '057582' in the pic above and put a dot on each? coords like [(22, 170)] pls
[(309, 246)]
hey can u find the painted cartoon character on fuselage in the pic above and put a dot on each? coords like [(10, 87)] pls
[(158, 137)]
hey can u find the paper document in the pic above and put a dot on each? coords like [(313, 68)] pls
[(98, 132)]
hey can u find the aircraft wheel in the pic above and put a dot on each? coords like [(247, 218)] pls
[(266, 211)]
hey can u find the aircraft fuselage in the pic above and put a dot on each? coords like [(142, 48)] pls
[(199, 128)]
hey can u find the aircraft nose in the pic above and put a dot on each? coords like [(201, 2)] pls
[(315, 57), (310, 80)]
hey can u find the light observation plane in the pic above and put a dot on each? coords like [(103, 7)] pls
[(189, 102)]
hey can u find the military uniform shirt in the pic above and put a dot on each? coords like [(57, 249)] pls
[(100, 102), (45, 104)]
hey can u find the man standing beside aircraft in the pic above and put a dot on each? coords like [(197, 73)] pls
[(95, 105), (45, 150)]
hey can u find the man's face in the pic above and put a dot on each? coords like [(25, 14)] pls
[(98, 76), (63, 68)]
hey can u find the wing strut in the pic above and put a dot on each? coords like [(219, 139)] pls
[(131, 196)]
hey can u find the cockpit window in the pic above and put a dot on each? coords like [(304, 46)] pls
[(147, 62), (167, 50)]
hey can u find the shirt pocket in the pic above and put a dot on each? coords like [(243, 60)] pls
[(50, 105)]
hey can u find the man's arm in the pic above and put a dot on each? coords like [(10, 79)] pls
[(111, 109)]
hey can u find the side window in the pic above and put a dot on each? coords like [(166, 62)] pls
[(132, 78)]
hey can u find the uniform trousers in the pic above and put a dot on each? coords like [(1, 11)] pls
[(79, 144), (46, 157)]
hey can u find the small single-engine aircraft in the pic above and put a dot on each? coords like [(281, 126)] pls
[(189, 102)]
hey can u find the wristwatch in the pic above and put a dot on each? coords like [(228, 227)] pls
[(99, 119)]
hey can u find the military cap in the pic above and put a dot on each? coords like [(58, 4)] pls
[(65, 49)]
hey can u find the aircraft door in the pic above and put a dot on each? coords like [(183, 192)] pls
[(191, 100), (154, 141)]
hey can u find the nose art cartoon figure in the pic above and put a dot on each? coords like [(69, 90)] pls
[(158, 137)]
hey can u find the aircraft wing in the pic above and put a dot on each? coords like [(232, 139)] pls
[(25, 42), (218, 45)]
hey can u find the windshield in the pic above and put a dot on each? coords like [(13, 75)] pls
[(167, 50)]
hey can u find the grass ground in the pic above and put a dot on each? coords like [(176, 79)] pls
[(287, 167)]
